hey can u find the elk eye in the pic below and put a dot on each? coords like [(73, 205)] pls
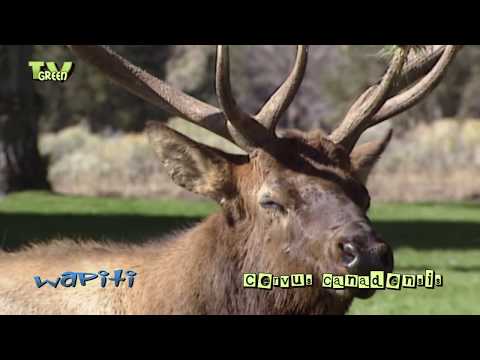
[(268, 203)]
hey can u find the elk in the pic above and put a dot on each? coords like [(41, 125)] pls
[(295, 203)]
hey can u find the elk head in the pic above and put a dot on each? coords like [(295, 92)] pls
[(296, 203)]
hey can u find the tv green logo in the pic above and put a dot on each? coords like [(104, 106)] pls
[(48, 70)]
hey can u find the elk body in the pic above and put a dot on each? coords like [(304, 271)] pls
[(293, 204)]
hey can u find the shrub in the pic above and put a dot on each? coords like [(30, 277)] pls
[(436, 162)]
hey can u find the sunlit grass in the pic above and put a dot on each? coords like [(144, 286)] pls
[(442, 237), (447, 241)]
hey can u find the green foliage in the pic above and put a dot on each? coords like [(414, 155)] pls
[(335, 76), (89, 96), (446, 146), (440, 161), (82, 162)]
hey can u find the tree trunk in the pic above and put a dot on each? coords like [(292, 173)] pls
[(22, 167)]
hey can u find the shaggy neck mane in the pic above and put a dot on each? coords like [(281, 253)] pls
[(251, 250)]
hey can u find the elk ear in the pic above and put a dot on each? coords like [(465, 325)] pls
[(191, 165), (365, 156)]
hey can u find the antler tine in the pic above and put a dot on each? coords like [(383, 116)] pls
[(279, 102), (369, 103), (416, 68), (244, 129), (412, 96), (426, 73), (152, 89)]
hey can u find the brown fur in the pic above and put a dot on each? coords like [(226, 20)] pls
[(200, 271)]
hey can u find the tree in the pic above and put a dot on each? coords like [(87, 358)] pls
[(22, 167)]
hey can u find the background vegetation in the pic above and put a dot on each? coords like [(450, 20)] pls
[(83, 120), (85, 139), (335, 75)]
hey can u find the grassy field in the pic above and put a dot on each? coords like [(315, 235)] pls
[(443, 237)]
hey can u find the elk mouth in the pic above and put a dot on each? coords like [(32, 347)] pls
[(361, 261)]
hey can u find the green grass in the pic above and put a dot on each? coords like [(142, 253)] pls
[(40, 216), (443, 237)]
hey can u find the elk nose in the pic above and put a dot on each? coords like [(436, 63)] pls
[(362, 260), (349, 255)]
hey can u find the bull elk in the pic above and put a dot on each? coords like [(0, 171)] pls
[(295, 203)]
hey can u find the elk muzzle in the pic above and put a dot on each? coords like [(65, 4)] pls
[(362, 250)]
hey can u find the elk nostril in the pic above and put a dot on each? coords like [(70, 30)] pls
[(384, 257), (349, 255)]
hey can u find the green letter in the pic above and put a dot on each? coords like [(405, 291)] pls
[(298, 280), (284, 281), (36, 68), (408, 281), (351, 281), (429, 279), (327, 280), (377, 279), (393, 281), (364, 282), (309, 279), (249, 280), (66, 67), (265, 281), (338, 282)]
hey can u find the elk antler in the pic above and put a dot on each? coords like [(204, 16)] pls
[(245, 130), (385, 99), (231, 123), (144, 85), (274, 108)]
